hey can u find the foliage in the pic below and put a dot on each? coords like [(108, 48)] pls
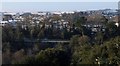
[(50, 56), (107, 53), (21, 44)]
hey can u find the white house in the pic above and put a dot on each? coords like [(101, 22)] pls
[(2, 23)]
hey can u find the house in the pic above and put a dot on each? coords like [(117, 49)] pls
[(3, 23), (95, 26)]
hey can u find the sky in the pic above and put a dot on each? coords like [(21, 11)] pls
[(59, 0), (55, 6)]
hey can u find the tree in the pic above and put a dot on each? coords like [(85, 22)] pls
[(7, 33), (99, 38), (111, 29), (77, 40), (6, 56), (56, 17), (84, 40), (82, 55), (108, 53), (79, 23), (36, 48), (53, 57), (18, 33), (104, 20), (74, 41), (41, 33), (19, 55), (113, 50), (65, 34), (47, 57)]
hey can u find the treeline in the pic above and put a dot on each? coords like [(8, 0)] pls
[(73, 54), (85, 47)]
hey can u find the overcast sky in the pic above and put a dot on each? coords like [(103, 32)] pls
[(56, 6), (60, 0)]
